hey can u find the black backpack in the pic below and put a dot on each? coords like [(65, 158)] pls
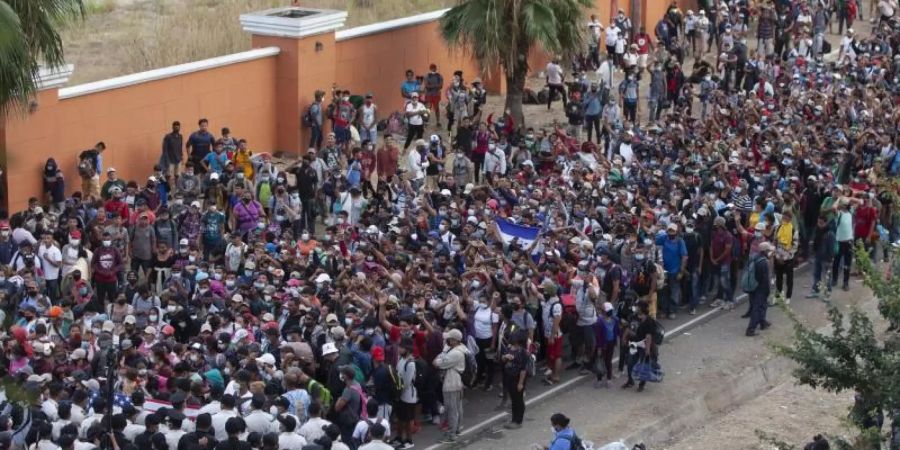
[(395, 390), (659, 332), (419, 379), (308, 118), (574, 442), (470, 373)]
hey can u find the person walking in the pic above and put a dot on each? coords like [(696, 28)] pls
[(823, 245), (759, 297), (453, 362)]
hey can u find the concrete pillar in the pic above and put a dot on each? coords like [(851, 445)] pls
[(307, 62)]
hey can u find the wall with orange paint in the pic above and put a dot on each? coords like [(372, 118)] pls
[(132, 122), (377, 62)]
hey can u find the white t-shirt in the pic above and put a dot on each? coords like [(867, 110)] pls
[(416, 107), (886, 8), (50, 254), (554, 73), (368, 115), (612, 35), (484, 322), (362, 428)]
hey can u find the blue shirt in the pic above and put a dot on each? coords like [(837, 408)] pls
[(217, 161), (592, 106), (672, 250), (563, 439), (408, 87), (200, 144)]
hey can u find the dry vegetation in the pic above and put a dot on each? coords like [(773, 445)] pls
[(118, 37)]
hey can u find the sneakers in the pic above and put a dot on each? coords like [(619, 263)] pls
[(671, 316), (812, 295), (716, 303), (447, 439), (728, 306), (405, 445), (692, 312), (765, 325), (512, 426)]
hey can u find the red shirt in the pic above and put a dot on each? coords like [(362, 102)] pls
[(863, 219)]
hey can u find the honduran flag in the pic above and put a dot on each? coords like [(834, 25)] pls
[(510, 231)]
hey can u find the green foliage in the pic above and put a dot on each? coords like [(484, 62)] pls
[(504, 31), (852, 355), (29, 38)]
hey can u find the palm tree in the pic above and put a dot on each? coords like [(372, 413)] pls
[(503, 31), (28, 39)]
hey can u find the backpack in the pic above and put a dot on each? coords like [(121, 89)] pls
[(363, 401), (324, 393), (396, 386), (574, 442), (308, 118), (748, 278), (419, 379), (470, 373), (642, 281), (659, 332), (87, 164), (569, 320)]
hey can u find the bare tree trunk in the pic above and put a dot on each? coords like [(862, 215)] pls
[(515, 83)]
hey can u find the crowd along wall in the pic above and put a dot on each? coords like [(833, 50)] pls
[(260, 94), (131, 114)]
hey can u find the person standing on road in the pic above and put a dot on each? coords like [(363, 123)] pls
[(453, 362), (675, 258), (640, 342), (759, 298), (843, 222), (515, 361), (823, 248), (786, 239)]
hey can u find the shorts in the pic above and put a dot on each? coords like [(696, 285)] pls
[(554, 351), (642, 60), (405, 412), (433, 100), (341, 134)]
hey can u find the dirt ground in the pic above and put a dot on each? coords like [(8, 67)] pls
[(788, 413)]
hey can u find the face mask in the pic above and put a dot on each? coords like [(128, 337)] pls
[(639, 257), (229, 283), (326, 237), (192, 258), (75, 242), (340, 221), (217, 276), (259, 285), (4, 233), (442, 227), (83, 291), (689, 229), (267, 298), (107, 243), (172, 308), (304, 237), (476, 284), (203, 291), (176, 275), (248, 273), (153, 318)]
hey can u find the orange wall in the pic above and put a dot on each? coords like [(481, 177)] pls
[(376, 63), (132, 121)]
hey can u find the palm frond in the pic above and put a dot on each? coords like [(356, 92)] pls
[(16, 68)]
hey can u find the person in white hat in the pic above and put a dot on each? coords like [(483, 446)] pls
[(452, 361), (416, 114)]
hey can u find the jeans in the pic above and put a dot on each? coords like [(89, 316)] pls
[(695, 288), (413, 132), (516, 397), (53, 290), (368, 134), (592, 122), (562, 92), (105, 293), (759, 303), (845, 254), (315, 136), (724, 272), (453, 408), (674, 297), (784, 271), (485, 364), (308, 214), (630, 108), (819, 269)]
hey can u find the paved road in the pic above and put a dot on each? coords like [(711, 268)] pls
[(707, 346)]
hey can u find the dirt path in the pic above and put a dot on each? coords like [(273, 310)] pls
[(788, 412)]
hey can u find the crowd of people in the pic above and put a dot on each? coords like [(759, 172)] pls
[(348, 299)]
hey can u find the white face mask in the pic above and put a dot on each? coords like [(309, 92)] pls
[(75, 242), (107, 243), (304, 237), (476, 284)]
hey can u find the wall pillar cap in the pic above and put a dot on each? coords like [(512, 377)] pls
[(293, 21)]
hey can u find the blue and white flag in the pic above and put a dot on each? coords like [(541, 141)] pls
[(509, 231)]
